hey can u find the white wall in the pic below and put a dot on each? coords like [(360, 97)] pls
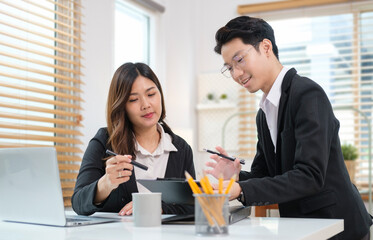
[(190, 39), (184, 49), (98, 63)]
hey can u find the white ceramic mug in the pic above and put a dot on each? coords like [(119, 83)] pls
[(147, 209)]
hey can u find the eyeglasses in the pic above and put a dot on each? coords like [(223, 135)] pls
[(237, 61)]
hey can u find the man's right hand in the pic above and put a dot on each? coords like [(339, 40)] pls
[(223, 167)]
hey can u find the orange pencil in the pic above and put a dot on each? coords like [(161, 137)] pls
[(209, 187), (220, 184), (193, 185), (195, 189), (204, 185), (230, 184)]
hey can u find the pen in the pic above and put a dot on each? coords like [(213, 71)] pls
[(139, 165), (242, 161)]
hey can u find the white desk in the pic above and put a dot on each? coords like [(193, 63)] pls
[(250, 228)]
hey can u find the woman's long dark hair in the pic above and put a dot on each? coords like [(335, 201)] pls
[(121, 136)]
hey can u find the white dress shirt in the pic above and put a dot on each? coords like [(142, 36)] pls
[(156, 161), (270, 103)]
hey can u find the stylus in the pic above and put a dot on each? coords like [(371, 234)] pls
[(139, 165), (242, 161)]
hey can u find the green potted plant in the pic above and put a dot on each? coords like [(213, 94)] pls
[(223, 98), (350, 154), (210, 97)]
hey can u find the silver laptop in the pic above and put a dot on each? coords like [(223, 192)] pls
[(30, 189)]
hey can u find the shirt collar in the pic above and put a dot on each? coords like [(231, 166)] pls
[(274, 93), (165, 144)]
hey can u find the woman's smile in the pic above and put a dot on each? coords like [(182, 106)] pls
[(148, 115)]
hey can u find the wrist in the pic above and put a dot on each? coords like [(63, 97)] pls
[(241, 198), (106, 183), (103, 189), (238, 176), (103, 183)]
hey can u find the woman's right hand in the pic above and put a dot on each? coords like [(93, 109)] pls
[(118, 170)]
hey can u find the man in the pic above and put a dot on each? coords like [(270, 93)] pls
[(299, 162)]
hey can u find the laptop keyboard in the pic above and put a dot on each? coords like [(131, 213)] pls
[(70, 219)]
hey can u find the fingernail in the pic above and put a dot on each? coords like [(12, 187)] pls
[(121, 213)]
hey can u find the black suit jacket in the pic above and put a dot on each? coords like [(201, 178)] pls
[(93, 168), (307, 175)]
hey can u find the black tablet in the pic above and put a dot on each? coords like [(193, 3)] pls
[(174, 191)]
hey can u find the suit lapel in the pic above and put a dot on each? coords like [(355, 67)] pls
[(286, 83)]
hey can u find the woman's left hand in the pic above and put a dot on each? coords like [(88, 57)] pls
[(126, 210)]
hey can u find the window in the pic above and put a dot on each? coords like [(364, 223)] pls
[(40, 80), (132, 34), (336, 51)]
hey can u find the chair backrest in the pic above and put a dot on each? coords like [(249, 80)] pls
[(263, 211)]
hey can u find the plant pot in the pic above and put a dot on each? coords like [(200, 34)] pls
[(223, 101), (351, 167), (210, 101)]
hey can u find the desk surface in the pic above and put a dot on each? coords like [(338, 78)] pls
[(250, 228)]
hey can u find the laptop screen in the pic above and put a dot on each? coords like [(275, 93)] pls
[(30, 187)]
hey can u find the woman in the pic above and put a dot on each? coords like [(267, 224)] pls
[(136, 131)]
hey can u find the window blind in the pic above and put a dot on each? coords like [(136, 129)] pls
[(247, 134), (40, 70)]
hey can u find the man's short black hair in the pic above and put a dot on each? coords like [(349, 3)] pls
[(250, 30)]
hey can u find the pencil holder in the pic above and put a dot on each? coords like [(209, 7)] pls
[(211, 214)]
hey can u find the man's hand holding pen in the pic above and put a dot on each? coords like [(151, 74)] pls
[(227, 168), (223, 166)]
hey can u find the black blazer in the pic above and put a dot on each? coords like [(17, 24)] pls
[(307, 175), (93, 168)]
